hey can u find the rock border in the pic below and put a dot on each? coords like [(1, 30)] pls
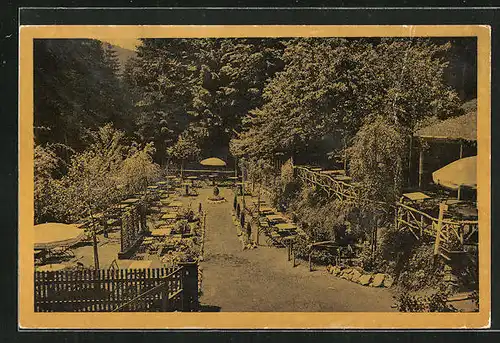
[(358, 275)]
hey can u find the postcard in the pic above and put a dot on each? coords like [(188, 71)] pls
[(250, 177)]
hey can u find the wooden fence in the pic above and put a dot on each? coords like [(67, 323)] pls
[(127, 290), (340, 189), (406, 217), (420, 223)]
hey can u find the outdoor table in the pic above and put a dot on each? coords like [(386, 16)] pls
[(170, 215), (40, 255), (286, 226), (276, 218), (255, 200), (166, 200), (112, 222), (175, 204), (145, 264), (163, 230), (266, 210), (263, 223), (416, 196), (130, 201), (98, 215)]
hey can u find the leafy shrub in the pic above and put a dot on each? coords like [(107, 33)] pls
[(409, 260), (95, 178), (436, 302)]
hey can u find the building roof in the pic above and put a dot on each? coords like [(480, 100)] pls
[(462, 127)]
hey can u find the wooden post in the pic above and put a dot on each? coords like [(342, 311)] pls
[(243, 188), (164, 297), (345, 154), (409, 160), (189, 286), (293, 255), (258, 200), (421, 168), (94, 240), (442, 208), (310, 261), (461, 149)]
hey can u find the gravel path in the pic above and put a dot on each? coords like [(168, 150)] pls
[(263, 280)]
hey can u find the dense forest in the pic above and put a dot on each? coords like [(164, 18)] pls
[(184, 99)]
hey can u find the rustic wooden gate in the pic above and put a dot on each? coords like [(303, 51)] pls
[(132, 290)]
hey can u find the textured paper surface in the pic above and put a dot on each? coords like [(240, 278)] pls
[(297, 320)]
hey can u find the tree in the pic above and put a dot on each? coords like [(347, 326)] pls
[(76, 88), (329, 86), (231, 78), (184, 149), (377, 159), (46, 163), (160, 79)]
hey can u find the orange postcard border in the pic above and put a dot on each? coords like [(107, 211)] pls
[(28, 319)]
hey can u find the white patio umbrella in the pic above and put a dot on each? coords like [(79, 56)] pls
[(213, 162), (461, 172), (51, 235)]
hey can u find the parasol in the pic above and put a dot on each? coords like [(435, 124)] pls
[(51, 235), (213, 162), (462, 172)]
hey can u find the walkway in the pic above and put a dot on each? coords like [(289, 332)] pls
[(263, 280)]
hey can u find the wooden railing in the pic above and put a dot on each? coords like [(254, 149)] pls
[(340, 189), (421, 223), (161, 289), (418, 222)]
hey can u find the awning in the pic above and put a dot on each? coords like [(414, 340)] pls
[(459, 173)]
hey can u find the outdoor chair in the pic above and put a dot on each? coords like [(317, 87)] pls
[(275, 239), (61, 252), (40, 256)]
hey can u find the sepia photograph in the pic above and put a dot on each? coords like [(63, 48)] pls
[(287, 173)]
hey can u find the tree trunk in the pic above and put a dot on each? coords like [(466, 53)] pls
[(94, 241)]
